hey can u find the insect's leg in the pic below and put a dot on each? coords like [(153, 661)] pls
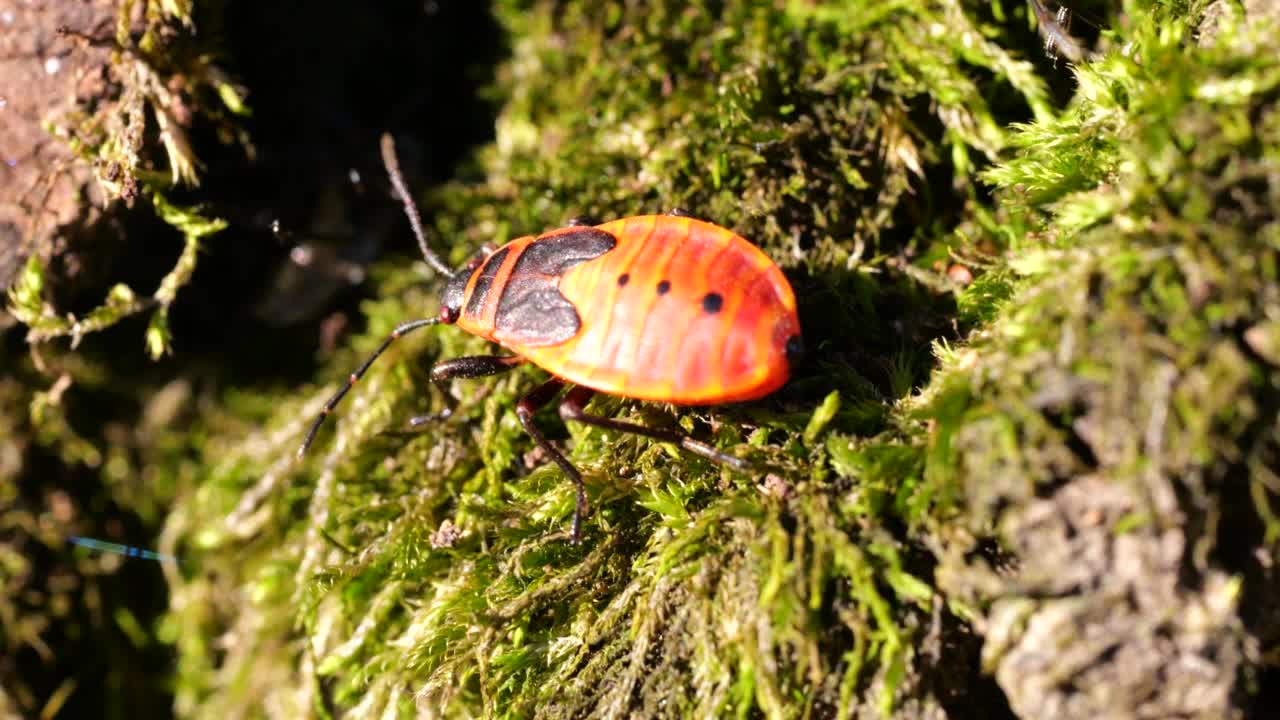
[(400, 331), (464, 367), (574, 408), (681, 212), (525, 410), (584, 221), (479, 256)]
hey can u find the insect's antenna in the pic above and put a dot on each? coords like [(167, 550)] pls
[(401, 330), (415, 220)]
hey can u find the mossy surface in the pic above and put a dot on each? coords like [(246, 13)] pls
[(439, 563), (1030, 463), (1116, 427)]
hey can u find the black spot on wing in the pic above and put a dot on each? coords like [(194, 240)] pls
[(480, 293), (532, 311), (712, 302)]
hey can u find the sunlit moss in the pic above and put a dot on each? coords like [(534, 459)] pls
[(1029, 465), (698, 590), (1115, 430)]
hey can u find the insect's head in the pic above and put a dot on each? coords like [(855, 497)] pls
[(454, 290)]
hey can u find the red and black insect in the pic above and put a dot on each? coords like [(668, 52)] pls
[(655, 307)]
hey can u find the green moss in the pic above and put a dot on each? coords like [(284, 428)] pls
[(433, 572), (1114, 427), (1066, 463), (154, 82)]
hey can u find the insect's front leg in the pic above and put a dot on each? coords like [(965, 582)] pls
[(477, 259), (525, 410), (473, 366)]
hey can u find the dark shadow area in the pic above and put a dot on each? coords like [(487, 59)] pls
[(324, 84), (323, 81), (92, 649)]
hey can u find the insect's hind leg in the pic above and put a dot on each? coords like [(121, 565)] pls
[(473, 366), (525, 410), (574, 408)]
